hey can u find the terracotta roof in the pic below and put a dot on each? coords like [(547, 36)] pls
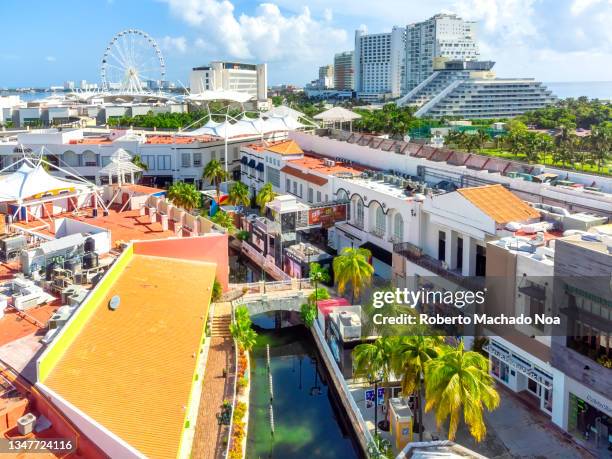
[(317, 164), (132, 369), (317, 180), (499, 203), (287, 147)]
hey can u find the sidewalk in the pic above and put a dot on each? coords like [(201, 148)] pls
[(208, 442)]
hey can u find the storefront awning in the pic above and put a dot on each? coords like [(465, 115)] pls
[(533, 291), (244, 160), (378, 252), (252, 163), (260, 167)]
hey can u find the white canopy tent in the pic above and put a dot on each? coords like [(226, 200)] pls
[(338, 115), (207, 96), (283, 110), (25, 191)]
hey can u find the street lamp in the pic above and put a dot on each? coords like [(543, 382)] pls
[(375, 380)]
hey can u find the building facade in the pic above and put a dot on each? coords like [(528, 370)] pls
[(378, 64), (441, 36), (343, 71), (231, 76), (326, 76)]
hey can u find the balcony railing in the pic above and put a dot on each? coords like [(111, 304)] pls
[(416, 255)]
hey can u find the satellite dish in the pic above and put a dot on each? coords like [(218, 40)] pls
[(113, 304)]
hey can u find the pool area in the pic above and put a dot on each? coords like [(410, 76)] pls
[(307, 420)]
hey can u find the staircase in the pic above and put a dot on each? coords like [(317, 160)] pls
[(221, 321)]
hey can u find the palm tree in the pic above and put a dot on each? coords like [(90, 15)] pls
[(225, 220), (184, 195), (241, 329), (374, 361), (318, 274), (457, 380), (137, 161), (239, 195), (352, 267), (216, 174), (413, 353), (265, 195)]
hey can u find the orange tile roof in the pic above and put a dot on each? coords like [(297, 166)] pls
[(286, 147), (317, 164), (170, 139), (312, 178), (143, 189), (124, 226), (499, 203), (132, 369)]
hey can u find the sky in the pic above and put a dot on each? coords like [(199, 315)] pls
[(47, 43)]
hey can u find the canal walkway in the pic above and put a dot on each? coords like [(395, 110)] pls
[(208, 442)]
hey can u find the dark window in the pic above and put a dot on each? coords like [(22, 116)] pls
[(481, 260), (459, 253), (441, 245)]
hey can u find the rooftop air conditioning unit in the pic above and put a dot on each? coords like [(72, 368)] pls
[(329, 162)]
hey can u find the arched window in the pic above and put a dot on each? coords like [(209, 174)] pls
[(380, 221), (89, 158), (70, 158), (398, 227), (358, 211)]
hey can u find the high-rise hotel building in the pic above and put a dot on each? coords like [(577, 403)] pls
[(378, 63), (441, 36)]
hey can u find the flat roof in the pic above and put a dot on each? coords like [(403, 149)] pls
[(132, 369), (128, 225)]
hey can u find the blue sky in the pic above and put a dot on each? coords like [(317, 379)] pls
[(49, 42)]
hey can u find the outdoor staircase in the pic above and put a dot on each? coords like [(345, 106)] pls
[(221, 321)]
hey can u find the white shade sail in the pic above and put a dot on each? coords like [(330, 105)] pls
[(248, 126), (120, 164), (283, 110), (206, 96), (31, 180), (337, 115)]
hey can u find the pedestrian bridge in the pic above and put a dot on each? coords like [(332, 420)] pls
[(274, 296)]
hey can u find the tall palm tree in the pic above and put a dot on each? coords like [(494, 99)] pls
[(265, 195), (458, 381), (375, 362), (352, 267), (215, 174), (184, 195), (413, 353), (239, 195)]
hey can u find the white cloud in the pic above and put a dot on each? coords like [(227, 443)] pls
[(266, 35), (579, 6), (174, 44), (50, 58)]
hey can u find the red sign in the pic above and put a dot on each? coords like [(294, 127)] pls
[(327, 216)]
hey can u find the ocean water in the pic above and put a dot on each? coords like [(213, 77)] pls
[(563, 90), (591, 89)]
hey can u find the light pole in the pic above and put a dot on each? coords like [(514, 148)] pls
[(375, 381)]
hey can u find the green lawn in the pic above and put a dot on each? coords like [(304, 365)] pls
[(548, 161)]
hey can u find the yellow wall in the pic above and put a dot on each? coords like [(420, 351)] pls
[(70, 331)]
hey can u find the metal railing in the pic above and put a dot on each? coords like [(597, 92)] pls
[(416, 255)]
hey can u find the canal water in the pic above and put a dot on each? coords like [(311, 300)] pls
[(307, 417)]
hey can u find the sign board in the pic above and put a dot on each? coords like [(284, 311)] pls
[(369, 398), (327, 216), (381, 395)]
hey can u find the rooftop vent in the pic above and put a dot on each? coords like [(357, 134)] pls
[(113, 304)]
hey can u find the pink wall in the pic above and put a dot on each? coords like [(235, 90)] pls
[(211, 247)]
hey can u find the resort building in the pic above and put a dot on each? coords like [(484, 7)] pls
[(326, 76), (168, 157), (378, 64), (470, 89), (249, 79), (441, 36), (344, 70)]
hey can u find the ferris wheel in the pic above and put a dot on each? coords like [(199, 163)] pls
[(132, 58)]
